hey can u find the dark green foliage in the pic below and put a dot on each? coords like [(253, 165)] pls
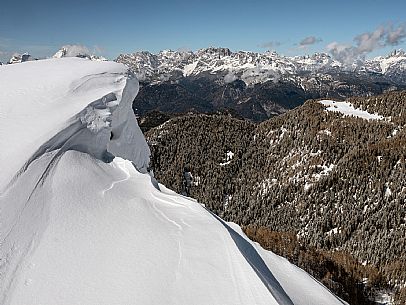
[(337, 270), (201, 142), (152, 119), (338, 183)]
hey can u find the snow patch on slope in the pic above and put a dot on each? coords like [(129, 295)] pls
[(347, 109), (188, 69)]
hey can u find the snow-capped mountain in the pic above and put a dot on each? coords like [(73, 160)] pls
[(18, 58), (82, 222), (393, 65), (257, 86), (77, 51), (250, 67)]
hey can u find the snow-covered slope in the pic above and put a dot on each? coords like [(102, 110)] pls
[(42, 99), (347, 109), (76, 228)]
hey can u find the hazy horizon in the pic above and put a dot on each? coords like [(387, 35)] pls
[(340, 28)]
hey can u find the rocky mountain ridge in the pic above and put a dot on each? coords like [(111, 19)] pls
[(251, 67), (256, 85)]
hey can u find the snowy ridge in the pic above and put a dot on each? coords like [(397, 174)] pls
[(79, 227), (58, 102)]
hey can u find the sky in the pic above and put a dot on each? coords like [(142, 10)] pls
[(343, 28)]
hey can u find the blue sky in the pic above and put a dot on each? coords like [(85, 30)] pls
[(113, 27)]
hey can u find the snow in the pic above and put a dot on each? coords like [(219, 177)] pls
[(33, 109), (347, 109), (324, 172), (230, 155), (251, 67), (283, 132), (388, 191), (326, 132), (333, 231), (307, 186), (385, 63), (384, 298), (188, 69), (225, 163), (229, 158), (77, 228)]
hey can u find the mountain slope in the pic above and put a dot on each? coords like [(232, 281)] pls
[(325, 172), (82, 222)]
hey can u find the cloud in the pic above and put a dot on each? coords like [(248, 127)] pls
[(305, 42), (183, 49), (367, 42), (98, 50), (270, 44), (344, 53), (396, 36), (77, 50), (5, 55), (230, 77), (72, 50)]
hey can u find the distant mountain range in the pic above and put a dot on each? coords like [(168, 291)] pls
[(256, 85), (65, 51), (252, 85)]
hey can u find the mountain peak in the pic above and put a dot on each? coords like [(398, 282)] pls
[(18, 58), (250, 67), (76, 51), (217, 51), (397, 53)]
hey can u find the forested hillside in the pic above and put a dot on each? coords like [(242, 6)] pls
[(335, 184)]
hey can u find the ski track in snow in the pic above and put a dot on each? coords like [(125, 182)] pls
[(179, 230), (163, 216)]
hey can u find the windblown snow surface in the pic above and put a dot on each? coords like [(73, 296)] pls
[(81, 220)]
